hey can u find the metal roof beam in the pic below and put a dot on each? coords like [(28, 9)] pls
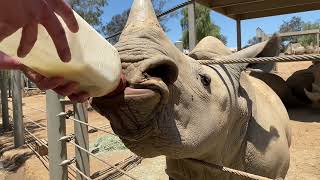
[(281, 11), (265, 6), (226, 3), (249, 9)]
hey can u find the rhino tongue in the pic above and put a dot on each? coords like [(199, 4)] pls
[(137, 92)]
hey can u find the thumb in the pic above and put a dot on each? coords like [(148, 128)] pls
[(7, 62)]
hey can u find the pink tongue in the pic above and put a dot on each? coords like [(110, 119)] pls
[(131, 91)]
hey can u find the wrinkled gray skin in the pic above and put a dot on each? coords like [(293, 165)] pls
[(174, 106)]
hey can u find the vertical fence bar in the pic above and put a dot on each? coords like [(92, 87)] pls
[(192, 26), (10, 83), (318, 39), (239, 38), (18, 126), (4, 99), (82, 139), (56, 129)]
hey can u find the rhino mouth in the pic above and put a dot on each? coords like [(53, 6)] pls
[(133, 113)]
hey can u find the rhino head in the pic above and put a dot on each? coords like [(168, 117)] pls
[(173, 105), (314, 96)]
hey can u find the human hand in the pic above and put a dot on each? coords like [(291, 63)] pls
[(7, 62), (27, 14), (57, 84)]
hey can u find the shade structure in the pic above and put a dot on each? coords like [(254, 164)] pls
[(249, 9)]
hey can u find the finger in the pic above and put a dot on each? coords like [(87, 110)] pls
[(6, 30), (50, 83), (58, 35), (64, 10), (28, 39), (67, 89), (79, 97), (32, 75), (7, 62)]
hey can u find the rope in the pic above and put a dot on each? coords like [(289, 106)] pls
[(229, 170), (231, 60), (103, 161)]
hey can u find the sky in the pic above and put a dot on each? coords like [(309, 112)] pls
[(228, 26)]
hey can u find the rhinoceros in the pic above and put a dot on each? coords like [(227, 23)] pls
[(314, 94), (176, 107), (295, 49)]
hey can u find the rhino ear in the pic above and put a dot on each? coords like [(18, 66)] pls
[(272, 48), (208, 48), (268, 48)]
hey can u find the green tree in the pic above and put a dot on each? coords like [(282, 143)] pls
[(309, 39), (90, 10), (296, 24), (204, 26), (293, 25), (119, 21)]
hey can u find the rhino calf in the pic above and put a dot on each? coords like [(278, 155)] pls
[(176, 107)]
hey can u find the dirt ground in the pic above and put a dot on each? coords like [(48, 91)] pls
[(23, 165)]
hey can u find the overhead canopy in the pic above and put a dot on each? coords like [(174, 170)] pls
[(248, 9)]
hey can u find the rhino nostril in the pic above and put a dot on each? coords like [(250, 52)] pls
[(166, 70)]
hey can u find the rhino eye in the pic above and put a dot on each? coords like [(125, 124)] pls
[(205, 79)]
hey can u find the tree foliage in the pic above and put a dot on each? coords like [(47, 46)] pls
[(90, 10), (204, 26), (297, 24), (119, 21), (293, 25), (309, 39)]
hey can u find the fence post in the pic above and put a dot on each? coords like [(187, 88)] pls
[(10, 73), (82, 139), (56, 129), (18, 126), (192, 26), (239, 38), (4, 99)]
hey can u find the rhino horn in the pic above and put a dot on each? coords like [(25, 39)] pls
[(141, 14)]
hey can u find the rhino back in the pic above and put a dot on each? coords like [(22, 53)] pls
[(268, 134)]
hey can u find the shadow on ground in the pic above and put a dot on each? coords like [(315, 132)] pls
[(304, 114)]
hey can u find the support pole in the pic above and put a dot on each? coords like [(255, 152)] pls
[(82, 139), (239, 46), (56, 129), (4, 99), (18, 126), (192, 26), (318, 39), (10, 84)]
